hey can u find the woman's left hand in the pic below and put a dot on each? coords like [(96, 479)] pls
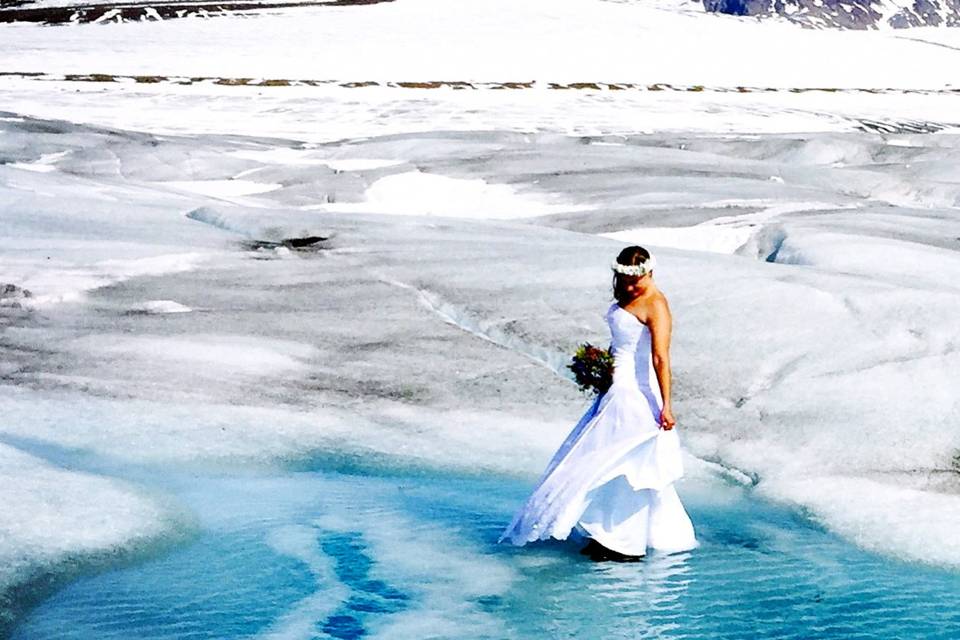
[(666, 419)]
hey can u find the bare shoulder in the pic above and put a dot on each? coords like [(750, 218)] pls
[(660, 323), (658, 307)]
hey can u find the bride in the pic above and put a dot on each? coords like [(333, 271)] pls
[(611, 480)]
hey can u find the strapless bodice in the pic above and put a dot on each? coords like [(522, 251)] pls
[(630, 344)]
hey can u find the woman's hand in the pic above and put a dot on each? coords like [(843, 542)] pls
[(666, 419)]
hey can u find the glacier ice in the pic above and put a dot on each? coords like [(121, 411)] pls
[(818, 358)]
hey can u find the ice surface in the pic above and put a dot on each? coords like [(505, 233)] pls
[(224, 189), (800, 356), (724, 234), (323, 113), (52, 517), (868, 511), (60, 281), (360, 164), (812, 275)]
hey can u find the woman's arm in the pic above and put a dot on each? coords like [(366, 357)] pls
[(661, 325)]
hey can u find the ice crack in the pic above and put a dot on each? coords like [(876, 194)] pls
[(459, 317)]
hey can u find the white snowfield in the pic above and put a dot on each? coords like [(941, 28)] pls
[(495, 40), (170, 319)]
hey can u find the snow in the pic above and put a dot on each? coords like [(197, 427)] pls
[(615, 42)]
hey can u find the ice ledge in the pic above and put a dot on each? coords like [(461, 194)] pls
[(57, 522), (885, 517)]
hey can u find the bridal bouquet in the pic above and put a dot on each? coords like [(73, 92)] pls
[(593, 368)]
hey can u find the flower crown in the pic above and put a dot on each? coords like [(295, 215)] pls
[(641, 269)]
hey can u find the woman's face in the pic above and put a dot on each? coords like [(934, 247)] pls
[(635, 286)]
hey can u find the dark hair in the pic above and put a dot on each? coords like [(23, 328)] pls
[(629, 256)]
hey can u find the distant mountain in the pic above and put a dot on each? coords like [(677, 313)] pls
[(848, 14)]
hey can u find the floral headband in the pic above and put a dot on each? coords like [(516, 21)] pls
[(641, 269)]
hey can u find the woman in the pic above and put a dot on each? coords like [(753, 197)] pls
[(612, 478)]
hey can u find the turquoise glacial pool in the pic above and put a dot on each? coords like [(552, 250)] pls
[(338, 555)]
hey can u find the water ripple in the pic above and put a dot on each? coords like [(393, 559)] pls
[(349, 557)]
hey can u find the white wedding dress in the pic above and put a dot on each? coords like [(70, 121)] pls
[(612, 478)]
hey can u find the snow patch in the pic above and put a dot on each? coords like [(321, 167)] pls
[(416, 193), (702, 237), (160, 306), (56, 281), (46, 164)]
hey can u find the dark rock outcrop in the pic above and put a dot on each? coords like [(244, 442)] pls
[(845, 14), (11, 295)]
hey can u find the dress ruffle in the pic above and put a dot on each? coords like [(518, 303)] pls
[(605, 448)]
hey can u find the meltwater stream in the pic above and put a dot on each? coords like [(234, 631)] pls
[(352, 555)]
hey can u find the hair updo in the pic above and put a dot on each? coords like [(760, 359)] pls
[(629, 256)]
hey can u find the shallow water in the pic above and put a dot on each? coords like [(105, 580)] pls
[(343, 555)]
